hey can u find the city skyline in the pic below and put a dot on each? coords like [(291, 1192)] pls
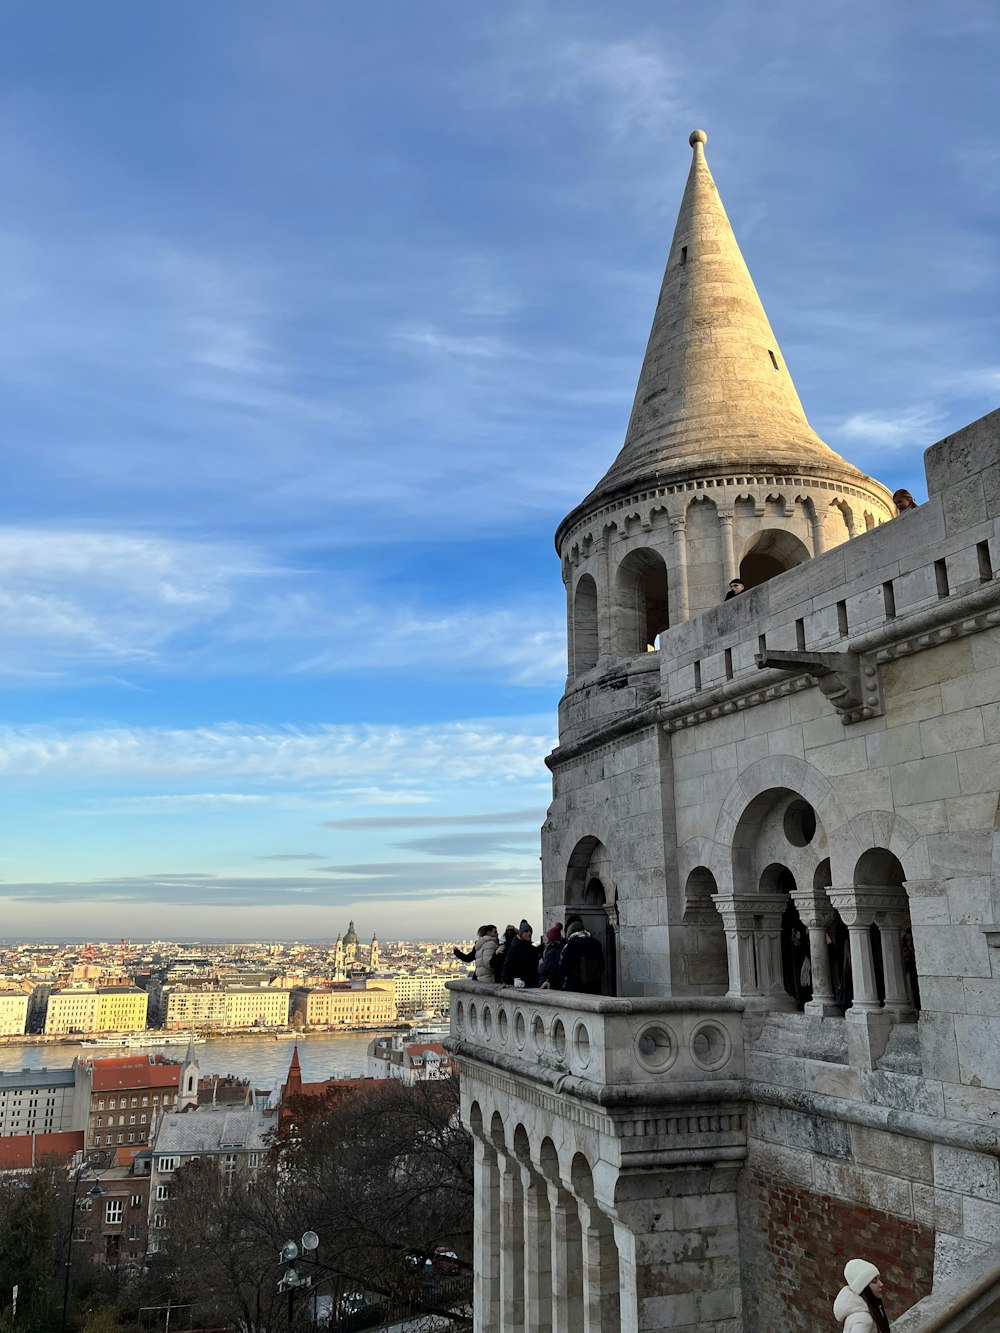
[(317, 325)]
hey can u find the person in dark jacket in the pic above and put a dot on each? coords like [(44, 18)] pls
[(553, 948), (500, 954), (581, 963), (520, 967)]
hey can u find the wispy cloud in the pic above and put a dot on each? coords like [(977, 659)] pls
[(388, 882), (491, 752), (75, 603), (486, 819)]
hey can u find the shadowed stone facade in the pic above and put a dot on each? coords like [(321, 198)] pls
[(780, 813)]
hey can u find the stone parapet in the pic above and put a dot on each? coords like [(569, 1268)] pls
[(610, 1048)]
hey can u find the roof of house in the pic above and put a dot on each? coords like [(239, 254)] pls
[(20, 1152), (213, 1129), (134, 1071), (13, 1079)]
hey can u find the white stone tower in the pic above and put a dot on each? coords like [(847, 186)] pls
[(720, 474), (784, 823), (373, 953)]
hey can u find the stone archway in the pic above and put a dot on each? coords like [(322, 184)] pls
[(592, 896), (769, 552)]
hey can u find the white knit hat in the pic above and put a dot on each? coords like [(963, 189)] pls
[(859, 1272)]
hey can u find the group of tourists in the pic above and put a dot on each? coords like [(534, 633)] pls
[(570, 960)]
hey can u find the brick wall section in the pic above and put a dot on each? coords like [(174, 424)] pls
[(797, 1243)]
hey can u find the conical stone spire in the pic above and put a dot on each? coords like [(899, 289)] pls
[(714, 395)]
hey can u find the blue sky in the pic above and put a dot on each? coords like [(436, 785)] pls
[(317, 318)]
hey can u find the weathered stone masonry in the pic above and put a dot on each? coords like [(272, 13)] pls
[(781, 815)]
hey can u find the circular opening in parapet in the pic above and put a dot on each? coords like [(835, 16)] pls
[(581, 1045), (800, 823), (520, 1032), (473, 1019), (487, 1023), (656, 1047), (710, 1046), (460, 1017), (559, 1038), (538, 1034), (502, 1025)]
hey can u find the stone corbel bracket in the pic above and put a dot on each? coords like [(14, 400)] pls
[(849, 681)]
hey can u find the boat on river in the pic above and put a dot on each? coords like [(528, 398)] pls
[(138, 1040)]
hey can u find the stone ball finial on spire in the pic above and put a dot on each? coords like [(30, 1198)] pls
[(697, 137)]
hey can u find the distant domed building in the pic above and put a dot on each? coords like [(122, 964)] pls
[(350, 945)]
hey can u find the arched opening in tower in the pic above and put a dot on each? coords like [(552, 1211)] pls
[(640, 602), (585, 645), (770, 552)]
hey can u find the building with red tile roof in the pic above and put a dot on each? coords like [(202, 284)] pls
[(22, 1152)]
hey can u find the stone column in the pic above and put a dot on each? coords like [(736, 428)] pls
[(737, 919), (815, 911), (607, 646), (770, 974), (570, 625), (511, 1247), (726, 517), (486, 1240), (858, 916), (567, 1262), (601, 1299), (678, 528), (890, 924), (537, 1250), (819, 537)]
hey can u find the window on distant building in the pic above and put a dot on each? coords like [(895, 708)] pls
[(113, 1211), (133, 1231), (167, 1163), (163, 1192), (136, 1200)]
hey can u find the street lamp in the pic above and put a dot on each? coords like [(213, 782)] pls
[(291, 1279), (94, 1192)]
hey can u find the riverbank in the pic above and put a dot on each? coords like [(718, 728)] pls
[(149, 1035)]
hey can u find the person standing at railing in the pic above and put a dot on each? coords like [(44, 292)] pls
[(553, 948), (581, 964), (487, 939), (520, 967)]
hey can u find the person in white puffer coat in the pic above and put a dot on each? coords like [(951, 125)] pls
[(859, 1305)]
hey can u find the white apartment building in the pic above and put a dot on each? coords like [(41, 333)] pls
[(345, 1005), (418, 991), (37, 1101), (222, 1007), (13, 1013)]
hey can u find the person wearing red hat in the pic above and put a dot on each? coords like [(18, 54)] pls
[(553, 948), (859, 1305)]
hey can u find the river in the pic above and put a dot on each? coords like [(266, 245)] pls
[(263, 1060)]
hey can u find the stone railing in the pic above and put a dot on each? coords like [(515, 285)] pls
[(602, 1041)]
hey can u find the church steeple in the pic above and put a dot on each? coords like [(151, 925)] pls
[(714, 394)]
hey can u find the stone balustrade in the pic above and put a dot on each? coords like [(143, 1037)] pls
[(599, 1042)]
